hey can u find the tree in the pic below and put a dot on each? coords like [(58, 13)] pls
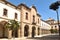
[(55, 6), (56, 31), (12, 25)]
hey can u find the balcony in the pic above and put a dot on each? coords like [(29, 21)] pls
[(34, 23)]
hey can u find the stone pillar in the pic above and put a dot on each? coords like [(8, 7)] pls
[(9, 33), (40, 31), (36, 31), (30, 32), (22, 31), (18, 33)]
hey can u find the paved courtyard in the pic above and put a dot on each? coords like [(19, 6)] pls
[(49, 37)]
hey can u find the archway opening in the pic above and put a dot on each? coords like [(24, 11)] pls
[(15, 33), (26, 30), (3, 30), (38, 31), (33, 31)]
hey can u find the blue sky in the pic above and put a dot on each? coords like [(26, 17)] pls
[(42, 7)]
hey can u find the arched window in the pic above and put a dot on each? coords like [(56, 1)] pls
[(38, 31), (38, 20), (15, 15), (5, 12), (33, 18), (26, 16)]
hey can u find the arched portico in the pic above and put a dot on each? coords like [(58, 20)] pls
[(26, 30), (3, 30)]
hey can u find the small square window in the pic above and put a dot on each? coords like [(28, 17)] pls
[(15, 15), (26, 16)]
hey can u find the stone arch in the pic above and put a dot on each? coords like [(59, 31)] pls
[(3, 30), (15, 34), (26, 30), (33, 31), (38, 31)]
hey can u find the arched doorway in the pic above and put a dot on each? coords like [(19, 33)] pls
[(33, 31), (15, 33), (26, 30), (38, 31), (3, 30)]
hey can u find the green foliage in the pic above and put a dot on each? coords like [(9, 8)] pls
[(54, 31), (8, 26), (12, 24), (54, 6)]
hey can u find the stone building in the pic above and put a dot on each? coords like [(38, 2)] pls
[(28, 17), (30, 20), (8, 11), (45, 27), (53, 23)]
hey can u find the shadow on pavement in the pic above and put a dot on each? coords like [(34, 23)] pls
[(51, 37)]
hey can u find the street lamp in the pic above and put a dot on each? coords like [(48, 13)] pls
[(55, 6)]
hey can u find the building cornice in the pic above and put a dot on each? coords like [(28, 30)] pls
[(38, 15), (30, 24), (44, 21), (20, 5), (9, 4), (34, 8)]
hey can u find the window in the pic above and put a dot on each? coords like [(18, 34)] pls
[(52, 27), (5, 12), (33, 18), (38, 20), (15, 15), (55, 26), (26, 16)]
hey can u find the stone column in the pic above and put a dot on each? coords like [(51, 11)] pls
[(18, 33), (36, 31), (30, 32), (9, 33), (22, 31), (40, 31)]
